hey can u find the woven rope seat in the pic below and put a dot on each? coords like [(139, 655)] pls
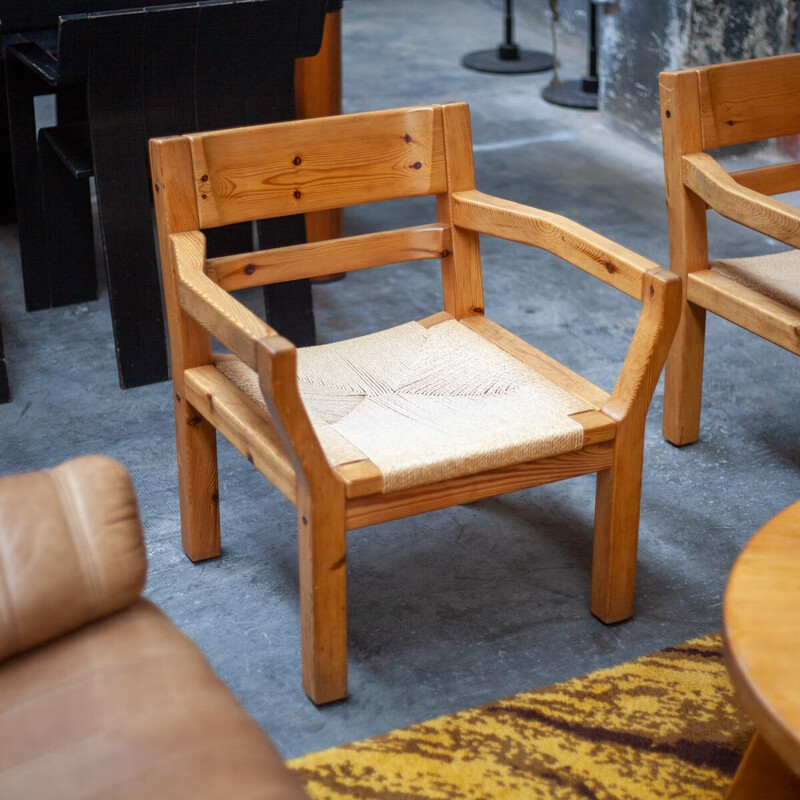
[(427, 404), (776, 275)]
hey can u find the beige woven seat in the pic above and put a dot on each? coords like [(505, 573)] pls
[(703, 109), (430, 414), (427, 404), (776, 275)]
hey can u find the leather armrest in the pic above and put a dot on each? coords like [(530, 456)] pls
[(71, 550)]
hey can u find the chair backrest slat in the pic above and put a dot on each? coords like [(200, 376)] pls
[(310, 165), (774, 179), (749, 100), (315, 259)]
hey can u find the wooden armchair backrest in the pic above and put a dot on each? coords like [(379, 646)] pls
[(243, 174), (310, 165), (729, 104), (749, 100)]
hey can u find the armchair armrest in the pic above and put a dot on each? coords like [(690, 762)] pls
[(658, 289), (238, 328), (709, 181), (258, 345), (71, 550), (606, 260)]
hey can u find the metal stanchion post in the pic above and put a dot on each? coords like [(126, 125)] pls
[(579, 93), (508, 57)]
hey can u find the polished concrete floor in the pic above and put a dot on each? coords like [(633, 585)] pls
[(463, 606)]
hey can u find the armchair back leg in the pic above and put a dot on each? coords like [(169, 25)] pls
[(683, 386), (197, 482), (688, 252), (190, 346)]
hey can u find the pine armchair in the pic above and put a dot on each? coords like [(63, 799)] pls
[(427, 415), (703, 109)]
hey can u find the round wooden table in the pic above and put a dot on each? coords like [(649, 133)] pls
[(761, 632)]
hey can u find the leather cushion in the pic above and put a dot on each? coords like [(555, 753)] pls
[(71, 550), (128, 707)]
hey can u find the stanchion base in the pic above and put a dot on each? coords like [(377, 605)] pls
[(491, 61), (571, 94)]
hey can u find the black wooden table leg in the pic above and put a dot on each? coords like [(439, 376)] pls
[(71, 104), (5, 392), (290, 309), (21, 87), (8, 207), (221, 99), (119, 145), (169, 98), (255, 87), (67, 204), (289, 306)]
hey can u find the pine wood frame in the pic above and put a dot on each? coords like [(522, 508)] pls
[(702, 109), (207, 179)]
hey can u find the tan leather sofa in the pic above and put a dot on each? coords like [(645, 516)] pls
[(100, 695)]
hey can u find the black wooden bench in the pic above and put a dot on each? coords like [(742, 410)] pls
[(121, 76)]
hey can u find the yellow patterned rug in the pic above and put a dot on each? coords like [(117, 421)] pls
[(663, 726)]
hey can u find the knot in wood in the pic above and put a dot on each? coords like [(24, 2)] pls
[(339, 563), (416, 165), (297, 194), (250, 269), (297, 161)]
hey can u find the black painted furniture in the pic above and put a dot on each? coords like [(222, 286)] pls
[(122, 76)]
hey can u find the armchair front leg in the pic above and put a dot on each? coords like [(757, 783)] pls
[(618, 495), (321, 527), (618, 488), (320, 493)]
